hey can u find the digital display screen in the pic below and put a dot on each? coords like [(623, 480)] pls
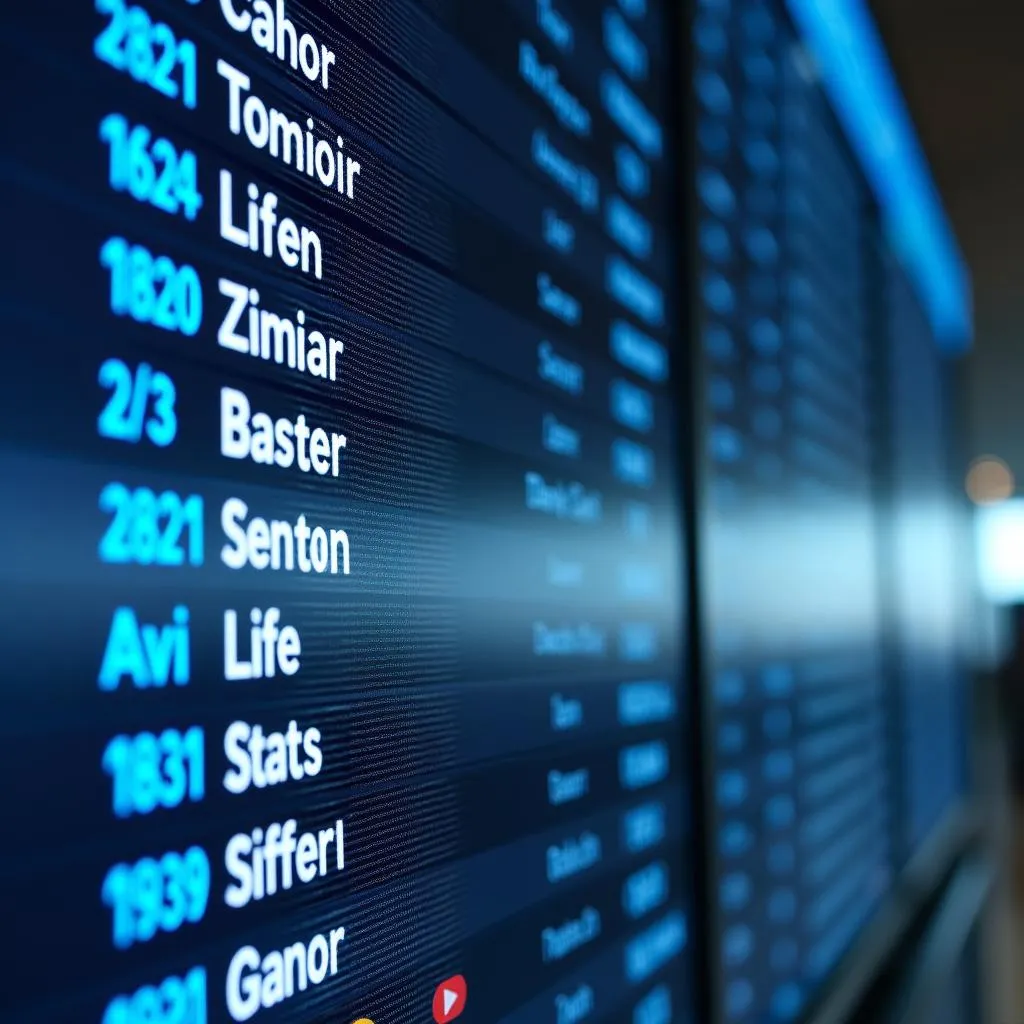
[(928, 539), (343, 619), (796, 679)]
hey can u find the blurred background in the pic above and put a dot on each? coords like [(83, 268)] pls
[(942, 80), (962, 76)]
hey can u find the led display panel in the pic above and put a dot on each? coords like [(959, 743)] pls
[(796, 679), (929, 547), (343, 618)]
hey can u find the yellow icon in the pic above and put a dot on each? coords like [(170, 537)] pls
[(363, 1020)]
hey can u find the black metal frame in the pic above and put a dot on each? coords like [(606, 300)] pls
[(685, 382)]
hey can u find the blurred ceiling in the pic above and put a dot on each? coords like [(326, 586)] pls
[(961, 67)]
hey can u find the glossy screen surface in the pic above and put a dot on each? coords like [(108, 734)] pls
[(797, 686), (341, 559)]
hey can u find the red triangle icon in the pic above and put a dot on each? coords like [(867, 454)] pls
[(449, 999)]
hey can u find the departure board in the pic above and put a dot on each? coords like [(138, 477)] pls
[(795, 675), (343, 615), (928, 533)]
